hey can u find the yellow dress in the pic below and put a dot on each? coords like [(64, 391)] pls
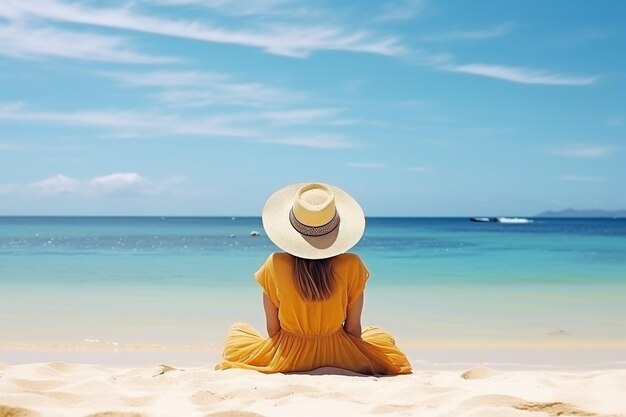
[(312, 334)]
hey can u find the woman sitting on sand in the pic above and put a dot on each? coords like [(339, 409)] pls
[(313, 292)]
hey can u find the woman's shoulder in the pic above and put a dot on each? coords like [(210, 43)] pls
[(350, 266)]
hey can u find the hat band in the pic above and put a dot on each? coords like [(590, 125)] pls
[(306, 230)]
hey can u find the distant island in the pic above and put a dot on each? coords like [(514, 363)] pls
[(583, 213)]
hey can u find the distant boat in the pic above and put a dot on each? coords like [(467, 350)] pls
[(483, 219), (508, 220), (513, 220)]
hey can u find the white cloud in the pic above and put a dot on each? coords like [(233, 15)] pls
[(198, 89), (615, 121), (58, 184), (168, 78), (21, 41), (189, 98), (521, 75), (195, 88), (261, 127), (365, 165), (581, 151), (6, 189), (289, 40), (469, 35), (296, 38), (130, 122), (297, 116), (584, 36), (581, 178), (263, 8), (315, 141), (418, 169), (127, 181), (11, 107), (9, 12), (116, 183), (8, 147)]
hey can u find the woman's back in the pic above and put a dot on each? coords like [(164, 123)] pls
[(313, 293), (311, 318)]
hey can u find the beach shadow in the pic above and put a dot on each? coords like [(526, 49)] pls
[(234, 413), (330, 370), (552, 409), (6, 411), (115, 414)]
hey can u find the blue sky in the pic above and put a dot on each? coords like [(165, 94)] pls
[(415, 107)]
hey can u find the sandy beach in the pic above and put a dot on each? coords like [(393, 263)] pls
[(79, 390)]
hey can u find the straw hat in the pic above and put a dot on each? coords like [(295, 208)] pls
[(313, 220)]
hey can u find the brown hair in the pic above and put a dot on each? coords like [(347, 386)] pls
[(314, 278)]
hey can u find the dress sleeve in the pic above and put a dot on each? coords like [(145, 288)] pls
[(266, 278), (358, 279)]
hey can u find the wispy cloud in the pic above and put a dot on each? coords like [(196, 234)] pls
[(274, 107), (123, 181), (57, 184), (418, 169), (315, 141), (615, 121), (281, 39), (261, 127), (199, 89), (522, 75), (581, 151), (8, 147), (584, 36), (469, 35), (365, 165), (20, 41), (129, 121), (581, 178), (6, 189), (116, 183), (265, 8), (291, 37), (298, 116), (168, 78), (11, 106)]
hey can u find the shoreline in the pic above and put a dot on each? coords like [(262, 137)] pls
[(435, 355)]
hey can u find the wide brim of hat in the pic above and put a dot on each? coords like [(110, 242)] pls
[(280, 231)]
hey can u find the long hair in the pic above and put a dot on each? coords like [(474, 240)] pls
[(314, 278)]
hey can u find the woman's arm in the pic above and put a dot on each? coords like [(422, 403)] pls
[(271, 316), (352, 325)]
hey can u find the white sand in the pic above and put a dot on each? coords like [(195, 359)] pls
[(67, 390)]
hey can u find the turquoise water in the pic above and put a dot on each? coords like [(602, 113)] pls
[(183, 281)]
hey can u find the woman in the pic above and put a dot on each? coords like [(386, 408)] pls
[(313, 292)]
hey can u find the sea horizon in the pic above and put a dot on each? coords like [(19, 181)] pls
[(466, 216)]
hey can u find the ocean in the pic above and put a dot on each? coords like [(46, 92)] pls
[(165, 282)]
